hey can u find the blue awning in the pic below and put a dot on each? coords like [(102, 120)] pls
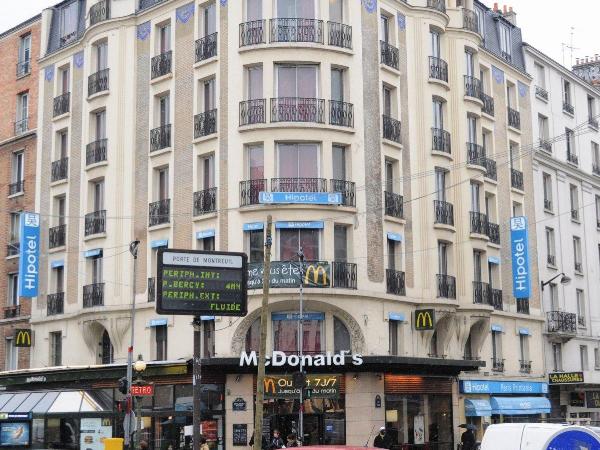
[(159, 243), (477, 407), (520, 405)]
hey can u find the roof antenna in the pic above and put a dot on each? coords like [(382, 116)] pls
[(570, 47)]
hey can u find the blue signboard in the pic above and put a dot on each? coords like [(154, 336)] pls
[(158, 322), (502, 387), (399, 317), (316, 225), (302, 198), (394, 236), (254, 226), (519, 245), (205, 233), (296, 316), (29, 255)]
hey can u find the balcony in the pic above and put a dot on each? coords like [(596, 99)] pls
[(514, 118), (145, 4), (446, 286), (546, 145), (470, 21), (561, 322), (523, 305), (572, 158), (542, 93), (497, 365), (438, 5), (491, 172), (341, 114), (60, 170), (479, 223), (475, 155), (493, 232), (55, 304), (391, 129), (95, 222), (568, 108), (61, 104), (13, 248), (575, 215), (205, 123), (297, 109), (344, 275), (252, 33), (93, 295), (516, 179), (206, 47), (151, 290), (99, 12), (249, 190), (298, 185), (389, 55), (346, 188), (340, 35), (481, 293), (524, 366), (159, 212), (488, 104), (57, 236), (438, 69), (472, 87), (23, 68), (160, 138), (252, 111), (95, 152), (440, 140), (551, 260), (205, 201), (296, 30), (161, 64), (18, 187), (394, 282), (496, 299), (578, 266), (596, 169), (21, 126), (444, 212), (394, 205), (11, 312), (98, 82)]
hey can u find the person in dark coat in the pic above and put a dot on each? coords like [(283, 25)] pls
[(264, 444), (382, 440), (292, 441), (276, 442), (468, 440)]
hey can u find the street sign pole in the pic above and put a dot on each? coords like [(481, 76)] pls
[(301, 348), (197, 380), (133, 249)]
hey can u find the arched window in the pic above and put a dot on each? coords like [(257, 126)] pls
[(341, 336), (433, 346), (253, 337), (107, 355)]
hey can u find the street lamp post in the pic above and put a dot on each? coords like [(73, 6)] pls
[(139, 367), (565, 279), (301, 348)]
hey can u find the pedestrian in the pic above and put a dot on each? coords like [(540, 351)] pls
[(203, 444), (276, 442), (382, 440), (143, 445), (468, 440), (264, 443), (292, 441)]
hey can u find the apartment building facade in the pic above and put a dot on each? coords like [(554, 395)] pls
[(19, 48), (567, 198), (195, 116)]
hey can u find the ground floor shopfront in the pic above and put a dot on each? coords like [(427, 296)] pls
[(573, 400)]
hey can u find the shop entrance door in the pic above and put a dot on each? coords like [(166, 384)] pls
[(288, 424)]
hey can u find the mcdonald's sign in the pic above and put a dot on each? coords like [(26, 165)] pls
[(320, 275), (22, 338), (424, 319)]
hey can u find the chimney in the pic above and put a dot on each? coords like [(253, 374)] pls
[(504, 9), (576, 61), (496, 7), (510, 15)]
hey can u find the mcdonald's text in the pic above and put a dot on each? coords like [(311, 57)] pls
[(279, 359)]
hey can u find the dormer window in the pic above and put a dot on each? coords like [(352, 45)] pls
[(68, 22), (505, 41)]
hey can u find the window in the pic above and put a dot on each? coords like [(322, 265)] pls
[(100, 124), (475, 195), (580, 308), (68, 22), (208, 19), (207, 244), (570, 141), (22, 107), (543, 127), (392, 254), (583, 356), (208, 338), (285, 335), (472, 128), (256, 245), (97, 276), (208, 95), (11, 357), (510, 94), (435, 43), (384, 22), (480, 21), (63, 144), (341, 336), (387, 101), (524, 347), (164, 110), (389, 175), (553, 292), (253, 337), (577, 254), (597, 359), (595, 158), (496, 345), (256, 162), (61, 209), (340, 243), (98, 195), (540, 75), (18, 166), (207, 172), (557, 356), (65, 75), (298, 161), (470, 63), (101, 50), (574, 198), (440, 184), (56, 348), (550, 246), (597, 211), (515, 157), (291, 240), (394, 328), (477, 266), (163, 183), (304, 9), (13, 289), (517, 209), (25, 50), (59, 279), (505, 42), (160, 334), (337, 84), (255, 82), (336, 11), (164, 38), (438, 114), (297, 80), (591, 106), (566, 92), (339, 162), (443, 257), (15, 227), (547, 184)]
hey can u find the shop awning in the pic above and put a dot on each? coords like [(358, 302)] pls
[(477, 407), (520, 405), (56, 402)]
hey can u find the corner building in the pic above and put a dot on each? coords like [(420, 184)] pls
[(177, 117)]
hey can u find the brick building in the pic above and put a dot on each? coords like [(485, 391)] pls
[(19, 50)]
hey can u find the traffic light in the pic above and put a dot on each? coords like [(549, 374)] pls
[(308, 392), (123, 386)]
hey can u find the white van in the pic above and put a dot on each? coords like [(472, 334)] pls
[(539, 436)]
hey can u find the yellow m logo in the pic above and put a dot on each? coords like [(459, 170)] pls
[(316, 271), (23, 338), (424, 320), (269, 386)]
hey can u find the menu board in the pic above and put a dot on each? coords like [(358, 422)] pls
[(240, 434), (93, 431), (592, 399), (201, 283)]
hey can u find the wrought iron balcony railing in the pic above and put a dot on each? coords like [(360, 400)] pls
[(160, 138), (340, 35), (514, 118), (57, 236), (145, 4), (18, 187), (481, 293), (206, 47), (11, 312), (98, 82), (525, 366), (496, 299), (205, 201), (391, 129), (99, 12), (523, 305), (394, 281), (252, 33), (542, 93), (21, 126), (297, 109), (572, 158), (298, 185), (346, 188), (95, 222), (160, 65), (296, 30), (95, 152), (394, 205), (93, 295), (440, 140), (344, 275), (55, 304), (61, 104), (470, 21), (546, 145), (159, 212), (59, 170), (488, 104), (490, 169), (506, 56), (446, 286), (493, 232), (475, 154), (23, 68), (568, 108), (561, 322), (341, 113), (479, 223), (497, 365), (151, 289), (390, 55), (438, 69), (516, 179), (205, 123), (12, 248), (253, 111), (444, 212), (249, 190), (439, 5), (472, 87)]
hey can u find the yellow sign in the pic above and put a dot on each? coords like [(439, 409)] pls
[(424, 319), (22, 338), (316, 272), (565, 377)]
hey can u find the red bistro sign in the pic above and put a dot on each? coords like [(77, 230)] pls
[(142, 390)]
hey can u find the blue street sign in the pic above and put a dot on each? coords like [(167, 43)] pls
[(519, 245), (29, 254), (302, 198)]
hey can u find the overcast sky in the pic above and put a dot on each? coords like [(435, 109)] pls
[(545, 24)]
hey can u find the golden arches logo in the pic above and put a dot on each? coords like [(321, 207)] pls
[(316, 271), (424, 319), (269, 385), (23, 338)]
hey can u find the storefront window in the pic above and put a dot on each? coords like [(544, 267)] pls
[(163, 397), (285, 336), (62, 433), (37, 433)]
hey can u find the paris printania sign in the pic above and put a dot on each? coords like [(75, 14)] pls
[(279, 359)]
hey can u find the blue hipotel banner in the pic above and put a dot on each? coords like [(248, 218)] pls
[(502, 387), (519, 245), (29, 254), (303, 198)]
